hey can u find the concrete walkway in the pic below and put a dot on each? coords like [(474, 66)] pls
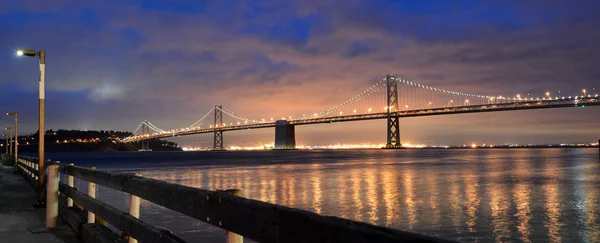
[(17, 214)]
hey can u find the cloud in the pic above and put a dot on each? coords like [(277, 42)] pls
[(106, 92), (273, 58)]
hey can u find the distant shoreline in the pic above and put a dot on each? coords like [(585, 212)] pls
[(510, 147), (429, 148)]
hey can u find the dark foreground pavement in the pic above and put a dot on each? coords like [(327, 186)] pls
[(17, 213)]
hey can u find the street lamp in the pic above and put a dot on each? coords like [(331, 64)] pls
[(6, 141), (548, 94), (584, 93), (42, 56), (10, 129), (16, 115)]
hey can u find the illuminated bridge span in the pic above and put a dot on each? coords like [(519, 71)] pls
[(384, 100)]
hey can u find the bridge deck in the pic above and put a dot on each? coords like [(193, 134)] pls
[(17, 198)]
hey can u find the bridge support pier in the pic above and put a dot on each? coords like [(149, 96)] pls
[(285, 135)]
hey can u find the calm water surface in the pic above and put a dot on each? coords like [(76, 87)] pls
[(472, 195)]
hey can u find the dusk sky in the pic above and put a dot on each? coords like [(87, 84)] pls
[(112, 64)]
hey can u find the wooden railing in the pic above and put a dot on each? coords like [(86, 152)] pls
[(259, 221), (28, 166)]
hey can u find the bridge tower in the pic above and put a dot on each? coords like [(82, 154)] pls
[(145, 142), (393, 125), (218, 138)]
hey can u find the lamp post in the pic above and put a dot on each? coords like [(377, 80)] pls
[(42, 56), (16, 149), (10, 129)]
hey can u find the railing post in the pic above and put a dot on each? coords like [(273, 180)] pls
[(134, 209), (70, 182), (52, 197), (233, 237), (58, 162), (92, 193)]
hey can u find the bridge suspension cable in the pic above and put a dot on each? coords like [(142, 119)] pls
[(373, 90), (239, 117), (422, 86), (155, 128), (137, 129), (201, 121)]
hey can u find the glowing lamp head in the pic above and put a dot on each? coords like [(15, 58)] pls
[(26, 52)]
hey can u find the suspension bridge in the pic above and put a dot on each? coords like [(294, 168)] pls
[(391, 98)]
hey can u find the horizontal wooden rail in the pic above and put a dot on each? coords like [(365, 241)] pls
[(112, 180), (31, 159), (260, 221), (28, 169), (30, 173), (127, 223)]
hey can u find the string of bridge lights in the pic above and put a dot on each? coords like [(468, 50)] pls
[(379, 86), (406, 82), (517, 97), (376, 87), (239, 117)]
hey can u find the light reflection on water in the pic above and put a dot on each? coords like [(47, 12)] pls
[(528, 195)]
